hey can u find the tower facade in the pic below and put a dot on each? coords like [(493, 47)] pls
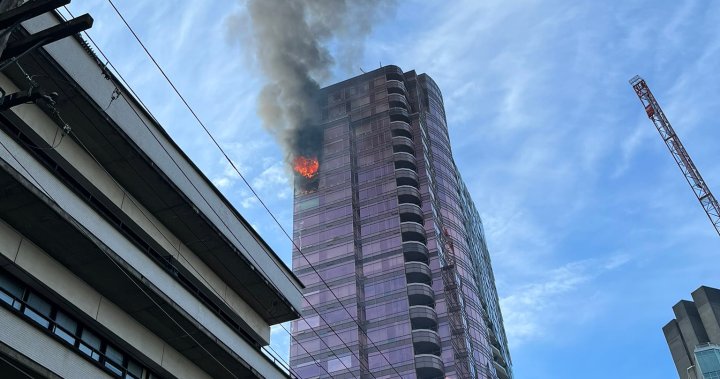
[(388, 225), (693, 336)]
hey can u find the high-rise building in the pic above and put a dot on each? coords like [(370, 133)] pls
[(118, 257), (388, 225), (694, 335)]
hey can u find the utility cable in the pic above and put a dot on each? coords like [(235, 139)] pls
[(128, 196), (115, 96), (259, 267), (66, 130), (121, 268), (232, 164), (266, 208)]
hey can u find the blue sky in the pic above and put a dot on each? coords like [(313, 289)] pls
[(594, 234)]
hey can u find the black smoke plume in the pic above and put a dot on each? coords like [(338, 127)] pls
[(291, 41)]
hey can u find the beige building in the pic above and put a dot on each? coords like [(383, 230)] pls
[(118, 257)]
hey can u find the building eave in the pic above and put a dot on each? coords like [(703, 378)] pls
[(210, 231)]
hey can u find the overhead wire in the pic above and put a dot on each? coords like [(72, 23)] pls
[(115, 95), (234, 167), (120, 267), (40, 186), (259, 267)]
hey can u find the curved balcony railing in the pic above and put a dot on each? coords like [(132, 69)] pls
[(400, 128), (418, 272), (497, 355), (501, 371), (426, 341), (396, 87), (428, 366), (403, 145), (423, 317), (406, 177), (493, 337), (398, 98), (411, 213), (415, 251), (404, 160), (421, 294), (399, 114), (394, 74), (412, 231), (409, 194), (398, 101)]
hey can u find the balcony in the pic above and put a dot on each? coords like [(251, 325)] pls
[(399, 114), (409, 194), (423, 317), (429, 366), (396, 87), (406, 177), (497, 356), (493, 337), (420, 294), (415, 252), (403, 144), (404, 160), (398, 101), (426, 341), (400, 128), (394, 75), (411, 213), (501, 371), (418, 272), (412, 231)]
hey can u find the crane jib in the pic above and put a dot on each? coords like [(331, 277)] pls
[(682, 158)]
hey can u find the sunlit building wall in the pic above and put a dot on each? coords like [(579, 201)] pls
[(385, 211)]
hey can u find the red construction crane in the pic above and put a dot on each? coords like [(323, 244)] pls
[(692, 175)]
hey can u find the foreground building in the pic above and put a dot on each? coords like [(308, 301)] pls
[(390, 227), (694, 335), (118, 257)]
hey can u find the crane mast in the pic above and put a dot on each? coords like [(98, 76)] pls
[(682, 158)]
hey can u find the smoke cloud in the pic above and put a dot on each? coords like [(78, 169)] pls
[(292, 40)]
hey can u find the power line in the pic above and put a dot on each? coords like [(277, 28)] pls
[(122, 269), (228, 228), (53, 145), (259, 267), (232, 164), (130, 198)]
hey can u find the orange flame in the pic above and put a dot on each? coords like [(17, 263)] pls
[(305, 166)]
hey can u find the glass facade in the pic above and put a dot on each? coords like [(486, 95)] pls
[(707, 357), (391, 229)]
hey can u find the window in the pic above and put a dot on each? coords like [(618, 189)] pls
[(38, 310), (65, 328), (10, 290), (307, 204), (90, 344), (113, 359), (134, 370), (340, 363)]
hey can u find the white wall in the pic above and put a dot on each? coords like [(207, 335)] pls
[(99, 228)]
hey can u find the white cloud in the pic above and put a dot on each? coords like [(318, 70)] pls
[(535, 311)]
